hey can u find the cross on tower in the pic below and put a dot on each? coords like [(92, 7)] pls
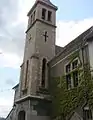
[(45, 35)]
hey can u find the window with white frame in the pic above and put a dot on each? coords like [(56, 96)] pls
[(87, 114), (72, 74)]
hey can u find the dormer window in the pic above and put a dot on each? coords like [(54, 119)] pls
[(43, 14), (49, 16)]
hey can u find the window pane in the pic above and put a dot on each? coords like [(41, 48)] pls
[(34, 16), (26, 77), (87, 115), (49, 15), (31, 19), (68, 79), (75, 64), (43, 13), (75, 78), (43, 72), (68, 68)]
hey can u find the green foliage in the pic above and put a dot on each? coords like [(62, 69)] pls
[(65, 101)]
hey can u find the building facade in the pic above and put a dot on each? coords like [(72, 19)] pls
[(43, 60)]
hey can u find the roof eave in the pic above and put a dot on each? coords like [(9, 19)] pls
[(15, 86), (47, 4)]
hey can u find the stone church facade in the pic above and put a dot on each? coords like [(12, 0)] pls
[(43, 60)]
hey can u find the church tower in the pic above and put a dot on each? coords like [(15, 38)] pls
[(39, 50)]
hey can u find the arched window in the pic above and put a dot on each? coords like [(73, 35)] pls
[(21, 115), (43, 72), (26, 77)]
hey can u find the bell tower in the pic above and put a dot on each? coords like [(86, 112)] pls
[(39, 49), (39, 46)]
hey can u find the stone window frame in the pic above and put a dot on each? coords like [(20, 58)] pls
[(49, 16), (22, 115), (44, 12), (26, 75), (45, 73), (44, 60), (69, 73), (32, 17)]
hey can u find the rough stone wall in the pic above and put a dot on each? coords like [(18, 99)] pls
[(45, 49), (58, 64), (30, 111)]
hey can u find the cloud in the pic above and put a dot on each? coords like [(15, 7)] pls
[(10, 82), (7, 7), (10, 59), (4, 110), (69, 30), (13, 24), (6, 102)]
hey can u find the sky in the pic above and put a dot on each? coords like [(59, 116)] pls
[(73, 18)]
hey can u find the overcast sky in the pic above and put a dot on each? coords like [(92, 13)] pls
[(73, 18)]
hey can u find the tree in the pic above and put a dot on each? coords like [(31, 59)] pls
[(65, 101)]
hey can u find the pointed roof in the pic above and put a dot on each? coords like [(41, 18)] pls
[(44, 2)]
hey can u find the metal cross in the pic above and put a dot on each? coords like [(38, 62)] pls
[(45, 35)]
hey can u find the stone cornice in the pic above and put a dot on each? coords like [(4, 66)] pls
[(30, 97), (47, 23)]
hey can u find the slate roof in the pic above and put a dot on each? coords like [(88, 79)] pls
[(58, 49), (9, 114), (48, 2), (90, 35)]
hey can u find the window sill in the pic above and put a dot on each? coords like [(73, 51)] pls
[(24, 91), (43, 90)]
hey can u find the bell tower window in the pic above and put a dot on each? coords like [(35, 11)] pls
[(43, 14), (49, 16), (43, 72), (31, 19), (34, 16)]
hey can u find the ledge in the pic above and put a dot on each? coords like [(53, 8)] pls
[(29, 97), (40, 21)]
